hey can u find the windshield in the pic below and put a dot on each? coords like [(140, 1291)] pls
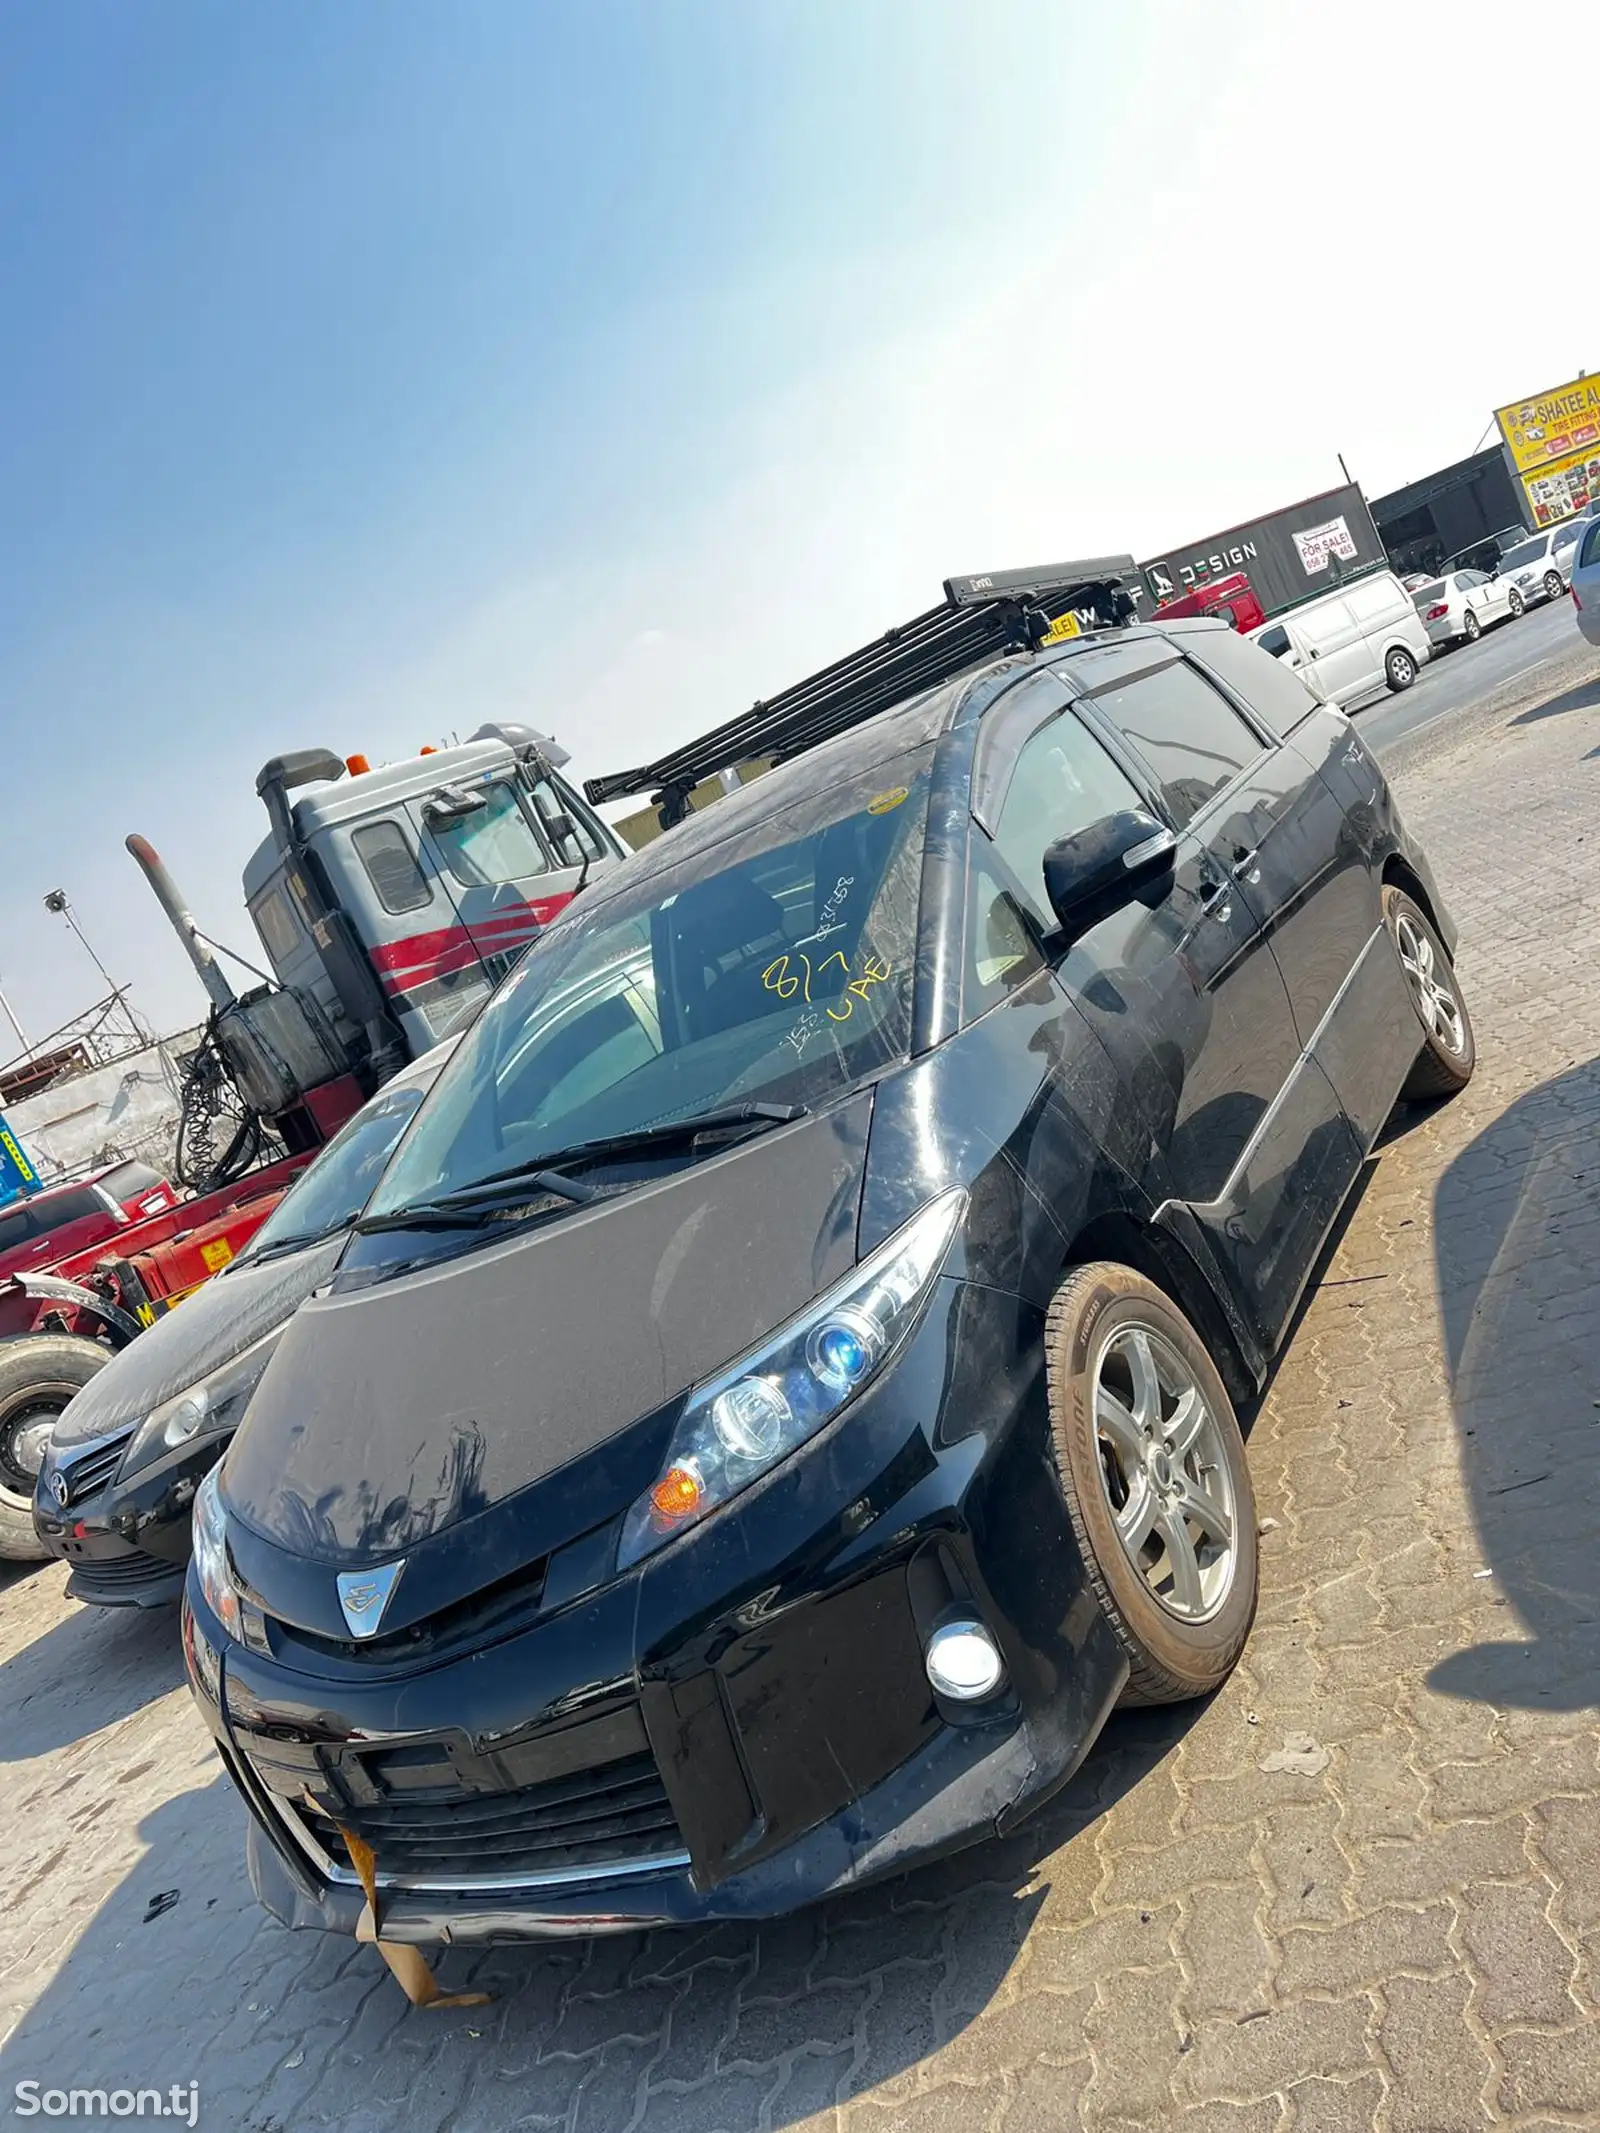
[(334, 1190), (1526, 552), (775, 966)]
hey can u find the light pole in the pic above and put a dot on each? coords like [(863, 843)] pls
[(56, 901)]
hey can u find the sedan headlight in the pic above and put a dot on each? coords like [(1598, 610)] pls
[(211, 1408), (211, 1556), (739, 1424)]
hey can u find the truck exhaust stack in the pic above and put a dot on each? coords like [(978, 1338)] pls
[(182, 920)]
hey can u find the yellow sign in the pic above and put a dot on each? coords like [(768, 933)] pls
[(886, 800), (1552, 426), (1556, 492), (1063, 627), (216, 1254)]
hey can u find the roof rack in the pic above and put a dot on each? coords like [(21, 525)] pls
[(1007, 610)]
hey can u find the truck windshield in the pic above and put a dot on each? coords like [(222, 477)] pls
[(774, 966)]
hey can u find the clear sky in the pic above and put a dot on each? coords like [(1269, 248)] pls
[(370, 369)]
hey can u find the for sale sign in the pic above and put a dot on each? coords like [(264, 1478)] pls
[(1317, 543)]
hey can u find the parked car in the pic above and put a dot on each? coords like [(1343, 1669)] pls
[(1586, 580), (115, 1494), (1364, 637), (1485, 554), (1459, 608), (765, 1421), (63, 1219), (1541, 566)]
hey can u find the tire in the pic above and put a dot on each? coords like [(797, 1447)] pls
[(1554, 585), (1103, 1318), (1399, 669), (1449, 1052), (1472, 627), (39, 1373), (1517, 605)]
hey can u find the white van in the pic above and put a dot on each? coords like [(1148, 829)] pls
[(1364, 637)]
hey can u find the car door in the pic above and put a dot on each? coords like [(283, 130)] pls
[(1260, 1149), (1477, 596)]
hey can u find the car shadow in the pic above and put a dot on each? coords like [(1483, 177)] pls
[(1517, 1242), (1585, 697), (90, 1668), (179, 1976)]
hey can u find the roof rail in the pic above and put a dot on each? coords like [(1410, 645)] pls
[(1008, 610)]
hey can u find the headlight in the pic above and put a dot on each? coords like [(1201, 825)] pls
[(211, 1556), (215, 1405), (742, 1422)]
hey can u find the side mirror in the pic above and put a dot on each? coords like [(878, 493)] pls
[(1098, 870), (560, 827)]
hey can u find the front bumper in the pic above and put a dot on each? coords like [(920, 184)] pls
[(127, 1541), (763, 1679)]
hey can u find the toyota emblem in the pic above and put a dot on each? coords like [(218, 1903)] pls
[(58, 1489)]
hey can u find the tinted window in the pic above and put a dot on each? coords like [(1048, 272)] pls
[(16, 1227), (336, 1187), (1527, 552), (1274, 640), (1063, 781), (774, 966), (494, 845), (1590, 551), (70, 1205), (1466, 579), (1566, 536), (276, 924), (129, 1180), (1000, 951), (1276, 694), (385, 851), (1187, 732)]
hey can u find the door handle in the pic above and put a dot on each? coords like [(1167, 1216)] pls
[(1214, 899), (1245, 867)]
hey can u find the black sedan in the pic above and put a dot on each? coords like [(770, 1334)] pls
[(115, 1494), (781, 1395)]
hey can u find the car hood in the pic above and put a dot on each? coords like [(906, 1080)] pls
[(392, 1412), (207, 1330)]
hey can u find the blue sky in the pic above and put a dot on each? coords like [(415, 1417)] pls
[(371, 370)]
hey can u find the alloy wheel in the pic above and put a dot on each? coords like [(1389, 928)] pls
[(1435, 997), (1553, 585), (1165, 1473)]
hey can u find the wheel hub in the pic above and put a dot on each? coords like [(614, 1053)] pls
[(1165, 1473), (23, 1441), (1434, 996)]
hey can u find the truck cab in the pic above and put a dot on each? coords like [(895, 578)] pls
[(1232, 600), (391, 901)]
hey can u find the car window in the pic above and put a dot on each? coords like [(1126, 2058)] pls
[(1590, 551), (385, 851), (129, 1180), (1526, 552), (776, 965), (277, 925), (332, 1192), (16, 1227), (1427, 596), (1465, 580), (1276, 694), (1001, 953), (57, 1209), (494, 845), (1063, 782), (1274, 641), (1566, 535), (1187, 731)]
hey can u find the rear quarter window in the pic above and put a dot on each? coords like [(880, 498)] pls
[(1246, 667)]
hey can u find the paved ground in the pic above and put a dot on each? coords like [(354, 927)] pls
[(1399, 1930), (1450, 681)]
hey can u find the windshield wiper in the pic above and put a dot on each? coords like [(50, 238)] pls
[(278, 1246), (474, 1206), (666, 1133), (504, 1190)]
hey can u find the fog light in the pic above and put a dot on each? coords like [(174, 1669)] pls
[(964, 1662)]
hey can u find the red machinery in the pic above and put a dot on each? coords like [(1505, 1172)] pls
[(60, 1323)]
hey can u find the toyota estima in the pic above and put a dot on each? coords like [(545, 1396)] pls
[(781, 1394)]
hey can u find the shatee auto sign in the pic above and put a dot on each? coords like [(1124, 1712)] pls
[(1288, 556)]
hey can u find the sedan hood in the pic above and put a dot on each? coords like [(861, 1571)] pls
[(392, 1412), (207, 1330)]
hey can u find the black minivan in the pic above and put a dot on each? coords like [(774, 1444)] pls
[(781, 1394)]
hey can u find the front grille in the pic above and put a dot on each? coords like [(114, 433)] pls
[(119, 1574), (87, 1476), (592, 1824)]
